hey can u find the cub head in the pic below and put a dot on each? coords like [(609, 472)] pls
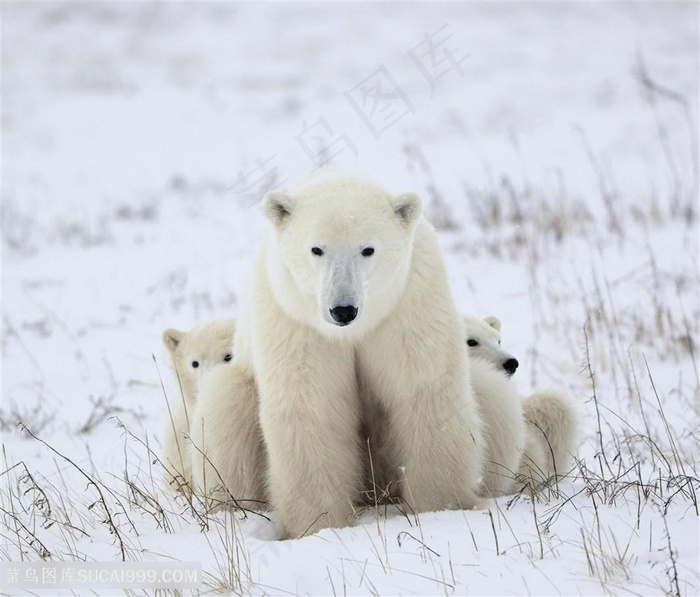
[(483, 339), (341, 252), (194, 353)]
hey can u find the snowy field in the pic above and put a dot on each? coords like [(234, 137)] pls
[(556, 148)]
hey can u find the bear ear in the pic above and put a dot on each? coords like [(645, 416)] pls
[(494, 322), (408, 206), (278, 206), (172, 339)]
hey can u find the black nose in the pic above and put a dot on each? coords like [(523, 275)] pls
[(510, 366), (344, 315)]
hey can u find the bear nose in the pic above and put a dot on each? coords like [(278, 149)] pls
[(510, 366), (344, 315)]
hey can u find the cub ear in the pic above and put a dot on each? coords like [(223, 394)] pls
[(408, 206), (494, 322), (172, 339), (278, 206)]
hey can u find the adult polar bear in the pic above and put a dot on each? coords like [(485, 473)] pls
[(350, 289)]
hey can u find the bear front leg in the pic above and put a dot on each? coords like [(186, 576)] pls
[(309, 417), (227, 453), (433, 431), (437, 436)]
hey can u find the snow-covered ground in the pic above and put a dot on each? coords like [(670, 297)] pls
[(556, 147)]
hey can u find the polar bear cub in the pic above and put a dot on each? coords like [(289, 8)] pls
[(499, 402), (351, 285), (193, 355), (483, 337), (549, 418)]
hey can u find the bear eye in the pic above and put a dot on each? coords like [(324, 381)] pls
[(317, 251), (472, 342), (227, 358), (195, 364), (368, 252)]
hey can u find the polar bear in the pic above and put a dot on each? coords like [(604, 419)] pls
[(499, 402), (501, 411), (483, 338), (543, 426), (350, 290), (192, 355), (226, 452)]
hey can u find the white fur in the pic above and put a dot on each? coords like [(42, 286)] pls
[(208, 345), (504, 427), (227, 451), (552, 428), (405, 349), (483, 338), (501, 412), (529, 441)]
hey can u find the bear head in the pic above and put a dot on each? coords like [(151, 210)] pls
[(194, 353), (483, 339), (340, 252)]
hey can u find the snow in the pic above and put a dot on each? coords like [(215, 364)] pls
[(565, 192)]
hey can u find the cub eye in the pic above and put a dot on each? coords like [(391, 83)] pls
[(195, 364), (472, 342), (317, 251), (227, 358), (368, 252)]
